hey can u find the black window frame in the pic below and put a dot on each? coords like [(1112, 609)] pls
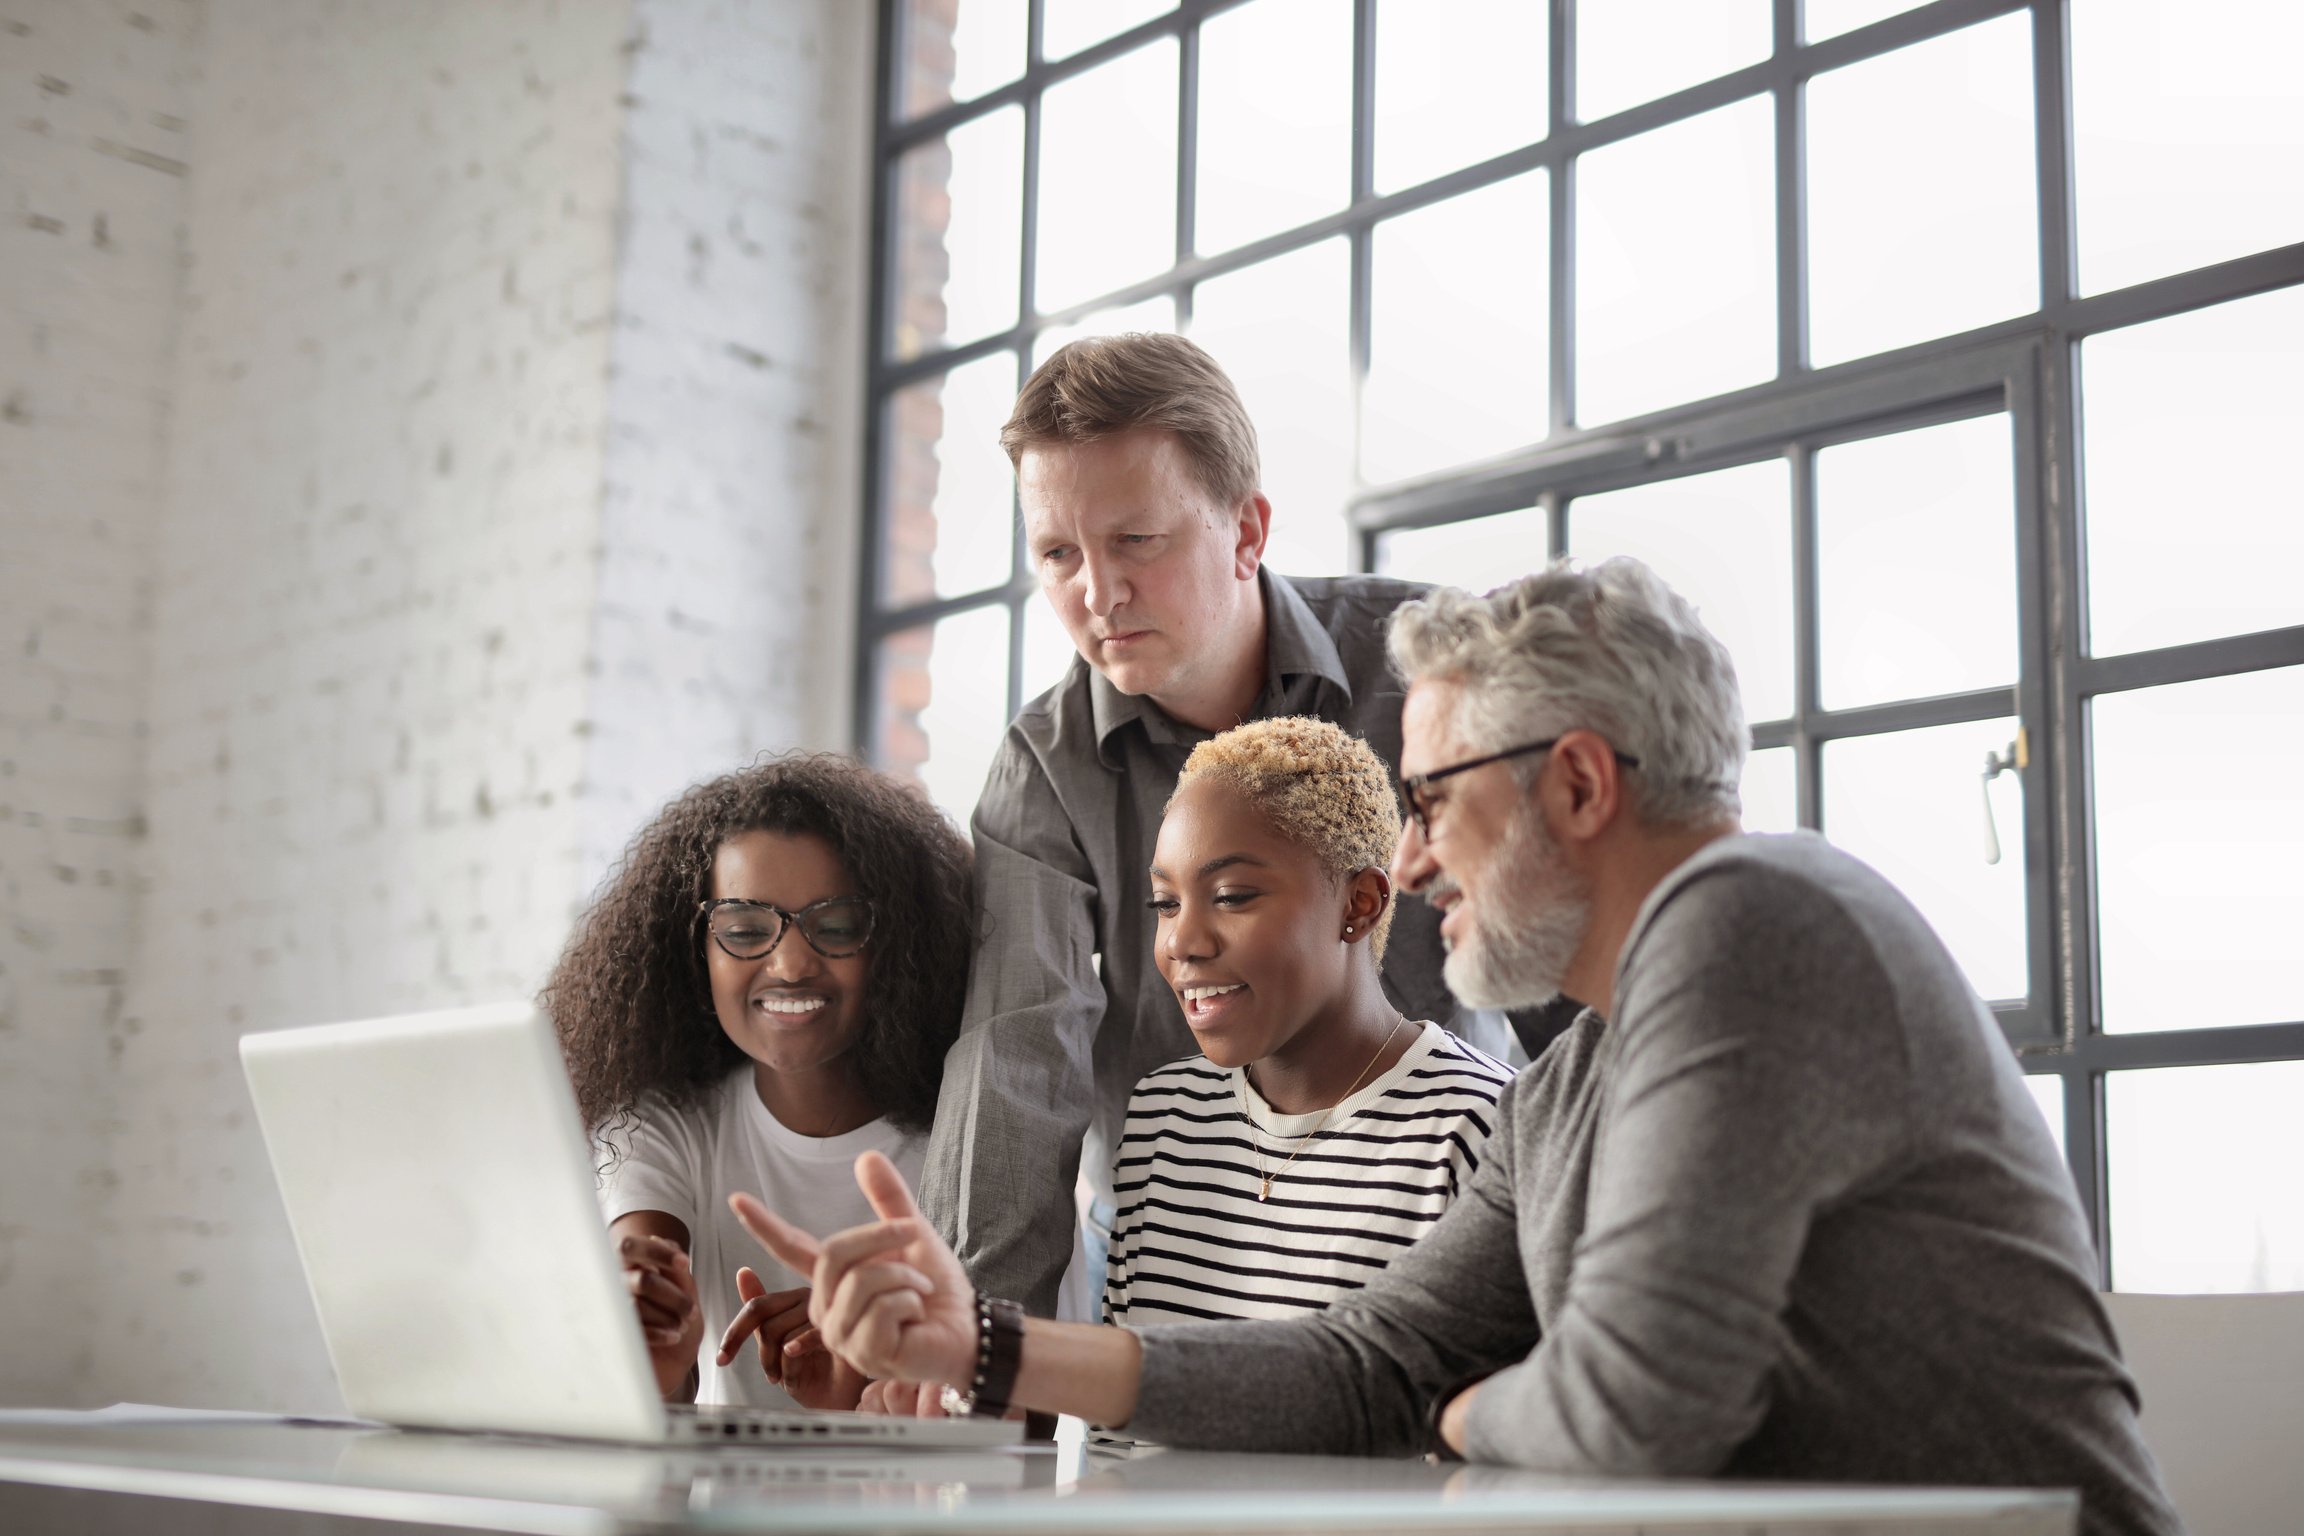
[(2026, 367)]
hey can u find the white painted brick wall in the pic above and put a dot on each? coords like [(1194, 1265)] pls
[(393, 509), (510, 427), (372, 602), (724, 626), (91, 209)]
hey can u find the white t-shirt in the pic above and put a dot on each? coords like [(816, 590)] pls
[(687, 1162)]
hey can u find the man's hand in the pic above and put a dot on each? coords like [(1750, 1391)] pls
[(1456, 1416), (888, 1298), (792, 1352), (891, 1300), (904, 1399), (671, 1318)]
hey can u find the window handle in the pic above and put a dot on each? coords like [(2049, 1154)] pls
[(2014, 760)]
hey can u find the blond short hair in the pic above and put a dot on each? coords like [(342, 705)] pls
[(1318, 786), (1102, 386)]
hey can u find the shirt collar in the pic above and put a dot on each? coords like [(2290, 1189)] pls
[(1295, 645), (1300, 645)]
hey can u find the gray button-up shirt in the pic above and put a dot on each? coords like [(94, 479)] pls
[(1066, 1009)]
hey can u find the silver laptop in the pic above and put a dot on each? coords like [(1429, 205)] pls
[(440, 1187)]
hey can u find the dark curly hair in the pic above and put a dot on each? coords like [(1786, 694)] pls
[(631, 997)]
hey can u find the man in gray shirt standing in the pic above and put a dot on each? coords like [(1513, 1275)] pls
[(1778, 1205), (1137, 473)]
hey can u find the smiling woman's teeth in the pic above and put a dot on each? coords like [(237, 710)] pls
[(1201, 994), (788, 1004)]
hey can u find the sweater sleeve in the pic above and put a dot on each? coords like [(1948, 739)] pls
[(1759, 1081)]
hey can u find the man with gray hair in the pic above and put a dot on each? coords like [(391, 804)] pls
[(1778, 1204)]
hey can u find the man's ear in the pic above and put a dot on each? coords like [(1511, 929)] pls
[(1582, 787), (1367, 892), (1252, 529)]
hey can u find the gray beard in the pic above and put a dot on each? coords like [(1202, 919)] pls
[(1523, 935)]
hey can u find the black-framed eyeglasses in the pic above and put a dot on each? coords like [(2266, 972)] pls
[(1412, 786), (835, 928)]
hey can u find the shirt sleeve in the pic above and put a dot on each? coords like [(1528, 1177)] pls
[(1467, 1146), (650, 1164), (1758, 1084), (1127, 1227), (1469, 1130), (1019, 1084), (1357, 1379)]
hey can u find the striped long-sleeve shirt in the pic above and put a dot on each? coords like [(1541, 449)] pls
[(1192, 1240)]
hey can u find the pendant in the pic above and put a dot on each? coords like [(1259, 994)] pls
[(1266, 1190)]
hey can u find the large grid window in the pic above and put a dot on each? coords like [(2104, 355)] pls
[(1945, 355)]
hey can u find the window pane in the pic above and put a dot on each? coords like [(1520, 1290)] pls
[(956, 50), (1904, 523), (2203, 1164), (2048, 1093), (951, 494), (1108, 177), (1157, 313), (1479, 554), (2199, 804), (1909, 805), (1279, 329), (1048, 651), (1923, 204), (959, 229), (1457, 350), (1724, 542), (1771, 791), (1275, 119), (2188, 134), (1071, 25), (1821, 19), (1676, 264), (1631, 51), (2175, 416), (944, 705), (1457, 82)]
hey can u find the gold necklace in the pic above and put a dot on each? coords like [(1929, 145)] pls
[(1240, 1085)]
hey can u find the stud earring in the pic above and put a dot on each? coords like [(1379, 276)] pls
[(1347, 930)]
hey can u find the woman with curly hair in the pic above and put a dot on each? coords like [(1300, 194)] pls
[(764, 989)]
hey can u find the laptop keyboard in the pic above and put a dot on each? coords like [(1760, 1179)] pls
[(724, 1423)]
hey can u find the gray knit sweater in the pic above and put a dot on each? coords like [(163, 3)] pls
[(1791, 1215)]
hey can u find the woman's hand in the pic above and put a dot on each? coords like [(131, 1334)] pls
[(663, 1290), (792, 1352), (888, 1298)]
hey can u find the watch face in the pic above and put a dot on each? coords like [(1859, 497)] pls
[(956, 1403)]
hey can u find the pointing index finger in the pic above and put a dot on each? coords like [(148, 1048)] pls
[(795, 1249), (885, 1187), (844, 1250)]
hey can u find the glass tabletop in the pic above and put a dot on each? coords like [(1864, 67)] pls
[(489, 1482)]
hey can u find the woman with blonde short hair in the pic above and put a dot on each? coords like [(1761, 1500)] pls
[(1320, 1132)]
